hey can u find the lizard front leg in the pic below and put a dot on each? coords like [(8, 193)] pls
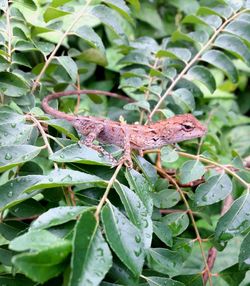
[(126, 158), (92, 136)]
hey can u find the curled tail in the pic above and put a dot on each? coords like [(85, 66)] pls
[(59, 114)]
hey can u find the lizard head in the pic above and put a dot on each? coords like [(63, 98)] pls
[(182, 127)]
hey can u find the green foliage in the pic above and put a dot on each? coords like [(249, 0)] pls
[(67, 217)]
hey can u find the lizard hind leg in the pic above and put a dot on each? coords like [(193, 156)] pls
[(91, 137), (126, 158)]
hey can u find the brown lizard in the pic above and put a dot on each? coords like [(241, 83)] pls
[(128, 136)]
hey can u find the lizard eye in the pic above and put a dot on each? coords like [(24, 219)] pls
[(187, 126)]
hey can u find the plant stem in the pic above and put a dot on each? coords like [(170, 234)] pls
[(81, 13), (105, 195), (192, 61)]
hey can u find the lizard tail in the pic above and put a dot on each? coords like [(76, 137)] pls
[(59, 114)]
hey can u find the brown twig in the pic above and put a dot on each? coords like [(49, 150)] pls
[(212, 253)]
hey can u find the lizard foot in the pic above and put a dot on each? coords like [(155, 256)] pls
[(126, 160)]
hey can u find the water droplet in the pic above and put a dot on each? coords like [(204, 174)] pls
[(89, 282), (8, 156), (138, 252), (13, 125), (204, 199), (145, 222), (11, 184), (138, 204), (67, 178), (99, 251), (16, 210), (138, 238), (50, 179), (10, 194), (5, 133), (62, 156)]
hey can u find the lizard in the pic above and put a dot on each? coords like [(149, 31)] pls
[(127, 136)]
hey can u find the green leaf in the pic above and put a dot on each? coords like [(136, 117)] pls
[(27, 3), (135, 4), (239, 28), (12, 85), (139, 184), (190, 171), (136, 212), (164, 261), (70, 66), (221, 61), (194, 19), (124, 238), (175, 53), (184, 99), (236, 220), (168, 154), (232, 275), (203, 75), (166, 198), (14, 155), (244, 256), (219, 10), (177, 222), (57, 216), (3, 5), (17, 280), (11, 117), (162, 281), (121, 7), (17, 134), (163, 232), (143, 104), (14, 190), (52, 13), (91, 37), (235, 46), (80, 154), (91, 257), (93, 56), (147, 169), (108, 17), (151, 16), (64, 127), (32, 241), (20, 59), (57, 3), (42, 265), (217, 188)]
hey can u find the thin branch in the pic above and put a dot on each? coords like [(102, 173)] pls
[(105, 195), (189, 211), (192, 61), (212, 253), (225, 168), (9, 32), (80, 15), (43, 133)]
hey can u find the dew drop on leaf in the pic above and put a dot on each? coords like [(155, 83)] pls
[(10, 194), (138, 238), (99, 251), (67, 178), (8, 156), (138, 253), (13, 125)]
